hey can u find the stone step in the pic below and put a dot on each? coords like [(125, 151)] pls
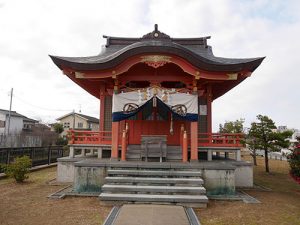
[(154, 180), (137, 151), (172, 173), (153, 189), (130, 147), (174, 156), (133, 156), (174, 153), (154, 198)]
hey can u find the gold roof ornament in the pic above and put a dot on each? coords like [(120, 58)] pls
[(156, 61)]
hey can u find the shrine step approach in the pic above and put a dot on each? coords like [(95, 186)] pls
[(155, 185)]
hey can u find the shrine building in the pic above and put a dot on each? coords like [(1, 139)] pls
[(155, 94)]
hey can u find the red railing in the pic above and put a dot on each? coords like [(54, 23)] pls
[(89, 137), (219, 140), (204, 139)]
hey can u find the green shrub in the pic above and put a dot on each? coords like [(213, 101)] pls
[(61, 141), (18, 169), (294, 161)]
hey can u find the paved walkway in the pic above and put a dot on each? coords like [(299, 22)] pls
[(136, 214)]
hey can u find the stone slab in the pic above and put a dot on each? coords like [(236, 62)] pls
[(154, 198), (152, 214), (155, 173), (213, 165), (153, 188), (154, 180)]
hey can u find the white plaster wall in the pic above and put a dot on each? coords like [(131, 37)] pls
[(2, 129), (16, 124), (95, 126), (70, 119)]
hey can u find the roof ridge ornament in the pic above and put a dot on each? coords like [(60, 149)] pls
[(156, 34)]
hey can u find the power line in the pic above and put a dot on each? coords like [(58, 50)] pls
[(39, 107)]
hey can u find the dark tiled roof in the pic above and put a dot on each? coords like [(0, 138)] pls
[(28, 120), (88, 118), (15, 114), (194, 50), (12, 113)]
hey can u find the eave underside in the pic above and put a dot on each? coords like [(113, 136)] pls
[(141, 72)]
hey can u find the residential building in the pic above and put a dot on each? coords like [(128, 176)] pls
[(17, 124), (78, 121)]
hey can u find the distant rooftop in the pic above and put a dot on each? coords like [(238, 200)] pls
[(86, 117), (15, 114)]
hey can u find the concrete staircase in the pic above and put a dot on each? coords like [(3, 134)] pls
[(149, 185), (133, 153)]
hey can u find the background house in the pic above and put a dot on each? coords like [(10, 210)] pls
[(18, 122), (23, 131), (79, 122)]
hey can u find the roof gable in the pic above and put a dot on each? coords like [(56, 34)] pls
[(85, 117)]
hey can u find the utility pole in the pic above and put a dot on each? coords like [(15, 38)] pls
[(9, 113)]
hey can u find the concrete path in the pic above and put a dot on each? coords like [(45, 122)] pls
[(137, 214)]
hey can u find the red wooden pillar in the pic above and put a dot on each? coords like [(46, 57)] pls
[(184, 147), (115, 131), (209, 110), (102, 104), (181, 134), (194, 131), (115, 141), (124, 146), (194, 141)]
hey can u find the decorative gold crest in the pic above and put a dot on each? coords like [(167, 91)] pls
[(156, 61)]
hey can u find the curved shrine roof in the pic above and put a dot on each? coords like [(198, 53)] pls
[(194, 50)]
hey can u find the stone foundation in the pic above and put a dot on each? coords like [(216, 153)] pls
[(220, 177)]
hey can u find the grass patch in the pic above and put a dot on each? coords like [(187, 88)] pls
[(27, 203), (279, 207)]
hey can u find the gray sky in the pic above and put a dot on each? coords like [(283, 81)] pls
[(32, 29)]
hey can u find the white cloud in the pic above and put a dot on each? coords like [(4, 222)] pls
[(30, 30)]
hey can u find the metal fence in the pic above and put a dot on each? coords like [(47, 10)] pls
[(38, 155)]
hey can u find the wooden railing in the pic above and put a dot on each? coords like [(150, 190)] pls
[(204, 139), (219, 140), (89, 137)]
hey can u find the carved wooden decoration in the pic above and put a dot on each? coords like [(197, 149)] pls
[(156, 61)]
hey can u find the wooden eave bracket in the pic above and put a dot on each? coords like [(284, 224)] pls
[(79, 75), (232, 76), (67, 71)]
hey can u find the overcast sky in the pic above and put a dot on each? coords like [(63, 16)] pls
[(32, 29)]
